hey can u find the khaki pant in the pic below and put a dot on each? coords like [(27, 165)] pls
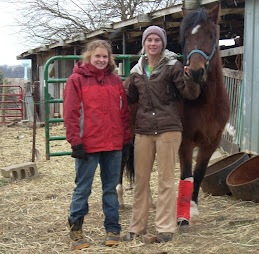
[(166, 146)]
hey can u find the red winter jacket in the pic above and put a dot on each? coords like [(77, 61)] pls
[(96, 109)]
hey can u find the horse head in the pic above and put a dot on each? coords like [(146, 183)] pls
[(199, 40)]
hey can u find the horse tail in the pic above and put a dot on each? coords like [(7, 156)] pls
[(130, 163)]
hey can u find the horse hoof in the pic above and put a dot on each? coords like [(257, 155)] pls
[(184, 229), (183, 226), (194, 212)]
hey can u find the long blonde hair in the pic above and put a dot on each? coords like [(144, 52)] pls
[(90, 48)]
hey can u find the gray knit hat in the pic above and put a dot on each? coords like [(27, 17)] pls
[(155, 30)]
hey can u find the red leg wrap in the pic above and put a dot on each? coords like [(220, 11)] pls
[(184, 199)]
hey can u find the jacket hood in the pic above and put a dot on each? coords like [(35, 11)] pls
[(167, 58), (90, 71)]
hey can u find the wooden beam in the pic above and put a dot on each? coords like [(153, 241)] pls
[(233, 73), (167, 11), (232, 51), (224, 12)]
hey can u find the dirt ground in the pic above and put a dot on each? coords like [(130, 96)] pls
[(33, 212)]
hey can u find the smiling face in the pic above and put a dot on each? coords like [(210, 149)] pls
[(153, 45), (100, 58)]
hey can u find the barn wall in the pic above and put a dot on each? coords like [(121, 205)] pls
[(250, 132)]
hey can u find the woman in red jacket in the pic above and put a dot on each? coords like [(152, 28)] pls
[(96, 118)]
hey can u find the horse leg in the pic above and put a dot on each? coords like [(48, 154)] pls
[(127, 163), (198, 175), (203, 157), (185, 185), (119, 187)]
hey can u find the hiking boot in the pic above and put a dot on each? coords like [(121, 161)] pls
[(164, 237), (112, 239), (129, 237), (76, 234)]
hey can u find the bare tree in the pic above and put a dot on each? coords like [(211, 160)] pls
[(48, 21)]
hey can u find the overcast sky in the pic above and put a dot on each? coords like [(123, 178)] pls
[(9, 46)]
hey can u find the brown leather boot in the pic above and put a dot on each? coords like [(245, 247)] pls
[(112, 239), (76, 234), (164, 237)]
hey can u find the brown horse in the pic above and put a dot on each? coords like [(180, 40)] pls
[(203, 119)]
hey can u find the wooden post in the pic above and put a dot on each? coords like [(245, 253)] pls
[(3, 100), (191, 4), (35, 92)]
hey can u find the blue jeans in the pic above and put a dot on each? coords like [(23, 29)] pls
[(110, 164)]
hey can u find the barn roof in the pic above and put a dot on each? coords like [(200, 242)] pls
[(125, 36)]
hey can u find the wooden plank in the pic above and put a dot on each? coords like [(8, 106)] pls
[(204, 2), (167, 11), (224, 12), (232, 51), (232, 73)]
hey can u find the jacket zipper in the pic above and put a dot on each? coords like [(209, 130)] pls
[(151, 103)]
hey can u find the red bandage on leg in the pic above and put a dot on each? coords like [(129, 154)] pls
[(184, 199)]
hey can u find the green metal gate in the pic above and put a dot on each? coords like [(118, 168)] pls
[(48, 99)]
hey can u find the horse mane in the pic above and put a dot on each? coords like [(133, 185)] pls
[(194, 18)]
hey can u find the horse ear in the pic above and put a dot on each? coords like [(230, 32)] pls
[(214, 14), (185, 11)]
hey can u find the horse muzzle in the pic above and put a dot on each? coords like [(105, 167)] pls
[(201, 61), (199, 76)]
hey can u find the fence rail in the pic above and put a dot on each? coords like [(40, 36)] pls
[(11, 103)]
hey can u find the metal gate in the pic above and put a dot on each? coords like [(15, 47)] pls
[(233, 82), (234, 85), (126, 61), (11, 100)]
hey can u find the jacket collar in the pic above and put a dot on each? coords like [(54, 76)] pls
[(91, 71), (167, 58)]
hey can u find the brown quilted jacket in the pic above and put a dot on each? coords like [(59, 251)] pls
[(159, 95)]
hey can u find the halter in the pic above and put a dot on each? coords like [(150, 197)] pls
[(208, 58)]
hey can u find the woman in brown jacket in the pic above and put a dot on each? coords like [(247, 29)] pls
[(157, 83)]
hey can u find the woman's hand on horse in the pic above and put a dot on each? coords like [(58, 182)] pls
[(187, 70)]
